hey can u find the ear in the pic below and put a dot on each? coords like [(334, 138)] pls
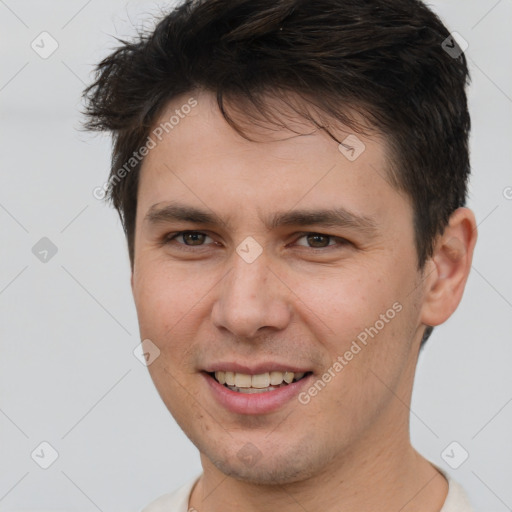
[(449, 267)]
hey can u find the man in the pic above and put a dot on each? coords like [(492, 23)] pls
[(291, 176)]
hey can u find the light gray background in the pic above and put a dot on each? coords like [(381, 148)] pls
[(68, 327)]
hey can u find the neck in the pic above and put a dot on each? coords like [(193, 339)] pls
[(392, 477)]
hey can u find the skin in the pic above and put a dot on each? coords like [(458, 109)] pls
[(349, 447)]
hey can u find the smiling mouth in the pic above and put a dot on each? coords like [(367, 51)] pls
[(262, 383)]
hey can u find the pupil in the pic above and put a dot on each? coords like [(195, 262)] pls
[(317, 238), (193, 238)]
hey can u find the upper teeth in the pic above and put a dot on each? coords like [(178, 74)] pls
[(263, 380)]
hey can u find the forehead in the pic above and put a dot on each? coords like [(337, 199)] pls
[(200, 159)]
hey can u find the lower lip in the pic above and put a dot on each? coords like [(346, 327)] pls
[(254, 403)]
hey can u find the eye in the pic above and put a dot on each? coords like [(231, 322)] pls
[(200, 239), (189, 238), (320, 240)]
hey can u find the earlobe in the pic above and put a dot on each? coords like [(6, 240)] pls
[(452, 259)]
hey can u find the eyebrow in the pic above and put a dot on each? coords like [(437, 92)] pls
[(335, 217)]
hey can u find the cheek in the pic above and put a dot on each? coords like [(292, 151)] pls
[(366, 317), (164, 297), (343, 303), (172, 306)]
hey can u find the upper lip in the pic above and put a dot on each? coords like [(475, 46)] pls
[(255, 369)]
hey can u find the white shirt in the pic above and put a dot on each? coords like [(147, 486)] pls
[(177, 501)]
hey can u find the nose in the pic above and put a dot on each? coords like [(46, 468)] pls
[(251, 299)]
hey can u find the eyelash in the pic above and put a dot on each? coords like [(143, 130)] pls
[(169, 238)]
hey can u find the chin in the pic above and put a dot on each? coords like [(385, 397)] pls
[(269, 468), (263, 475)]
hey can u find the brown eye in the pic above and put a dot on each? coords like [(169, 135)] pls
[(322, 241), (193, 238), (187, 238), (318, 241)]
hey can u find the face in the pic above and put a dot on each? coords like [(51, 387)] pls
[(268, 258)]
